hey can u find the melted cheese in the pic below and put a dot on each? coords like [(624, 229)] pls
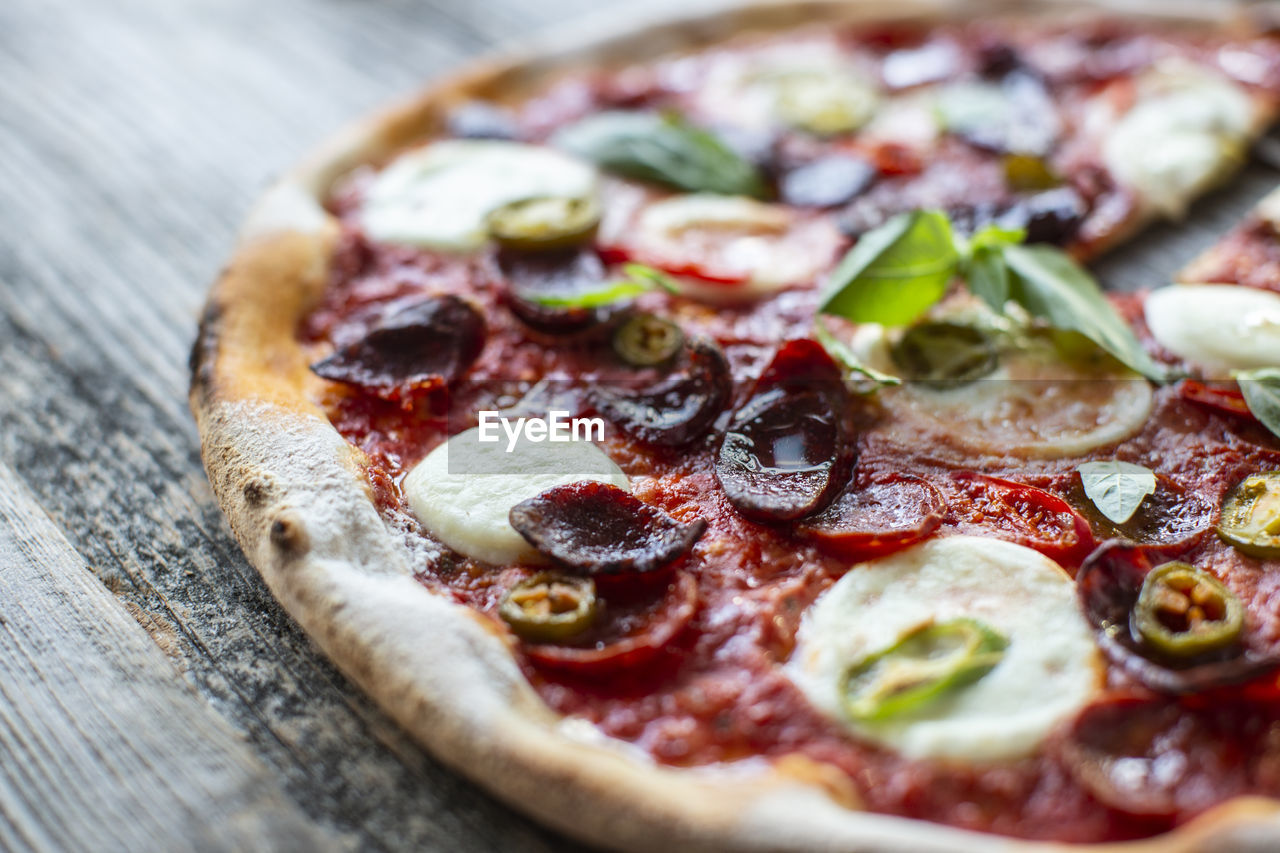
[(438, 196), (1185, 133), (464, 490), (1217, 327), (1050, 669)]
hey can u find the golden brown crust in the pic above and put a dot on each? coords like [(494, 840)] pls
[(293, 492)]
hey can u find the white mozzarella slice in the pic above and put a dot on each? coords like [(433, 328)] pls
[(438, 196), (1050, 669), (1217, 327), (810, 85), (1037, 404), (1186, 131), (465, 488), (759, 247)]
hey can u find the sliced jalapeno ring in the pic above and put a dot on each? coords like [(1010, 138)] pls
[(945, 353), (1028, 173), (549, 608), (928, 663), (1184, 612), (1251, 516), (544, 223), (647, 340)]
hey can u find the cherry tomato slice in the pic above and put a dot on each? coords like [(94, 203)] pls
[(631, 628), (760, 245), (886, 515), (1021, 514), (1218, 398)]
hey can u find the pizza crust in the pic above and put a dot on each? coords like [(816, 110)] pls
[(294, 493)]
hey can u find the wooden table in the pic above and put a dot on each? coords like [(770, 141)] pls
[(152, 694)]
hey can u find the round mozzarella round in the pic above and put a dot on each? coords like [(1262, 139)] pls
[(463, 491), (439, 196), (1218, 327), (1050, 669), (810, 85), (1186, 131)]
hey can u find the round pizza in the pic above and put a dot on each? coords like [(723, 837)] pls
[(710, 436)]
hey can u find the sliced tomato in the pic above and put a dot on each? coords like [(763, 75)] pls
[(721, 240), (1021, 514), (633, 627), (1224, 399), (882, 517)]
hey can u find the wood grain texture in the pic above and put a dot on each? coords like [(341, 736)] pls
[(103, 746), (133, 136)]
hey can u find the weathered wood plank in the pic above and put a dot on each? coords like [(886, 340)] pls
[(104, 746), (133, 136)]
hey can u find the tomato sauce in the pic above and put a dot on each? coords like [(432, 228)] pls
[(716, 693)]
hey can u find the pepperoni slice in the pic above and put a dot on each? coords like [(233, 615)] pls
[(597, 528), (676, 409), (1158, 758), (633, 628), (789, 451), (418, 346), (885, 516), (1022, 514)]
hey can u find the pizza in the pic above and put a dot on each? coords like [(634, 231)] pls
[(711, 436)]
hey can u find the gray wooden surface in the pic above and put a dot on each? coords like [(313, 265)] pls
[(152, 695)]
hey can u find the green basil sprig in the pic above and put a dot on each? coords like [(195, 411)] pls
[(1261, 390), (1117, 488), (663, 149), (897, 271), (639, 279)]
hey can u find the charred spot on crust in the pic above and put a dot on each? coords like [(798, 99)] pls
[(289, 534), (205, 349), (256, 491)]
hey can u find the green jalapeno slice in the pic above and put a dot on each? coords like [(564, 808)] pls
[(928, 663), (647, 340), (551, 222), (1251, 516), (548, 608), (1185, 612)]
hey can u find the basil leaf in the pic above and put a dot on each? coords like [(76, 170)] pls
[(1261, 389), (662, 149), (846, 357), (1117, 488), (615, 292), (895, 272), (1050, 285), (988, 277), (644, 274)]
